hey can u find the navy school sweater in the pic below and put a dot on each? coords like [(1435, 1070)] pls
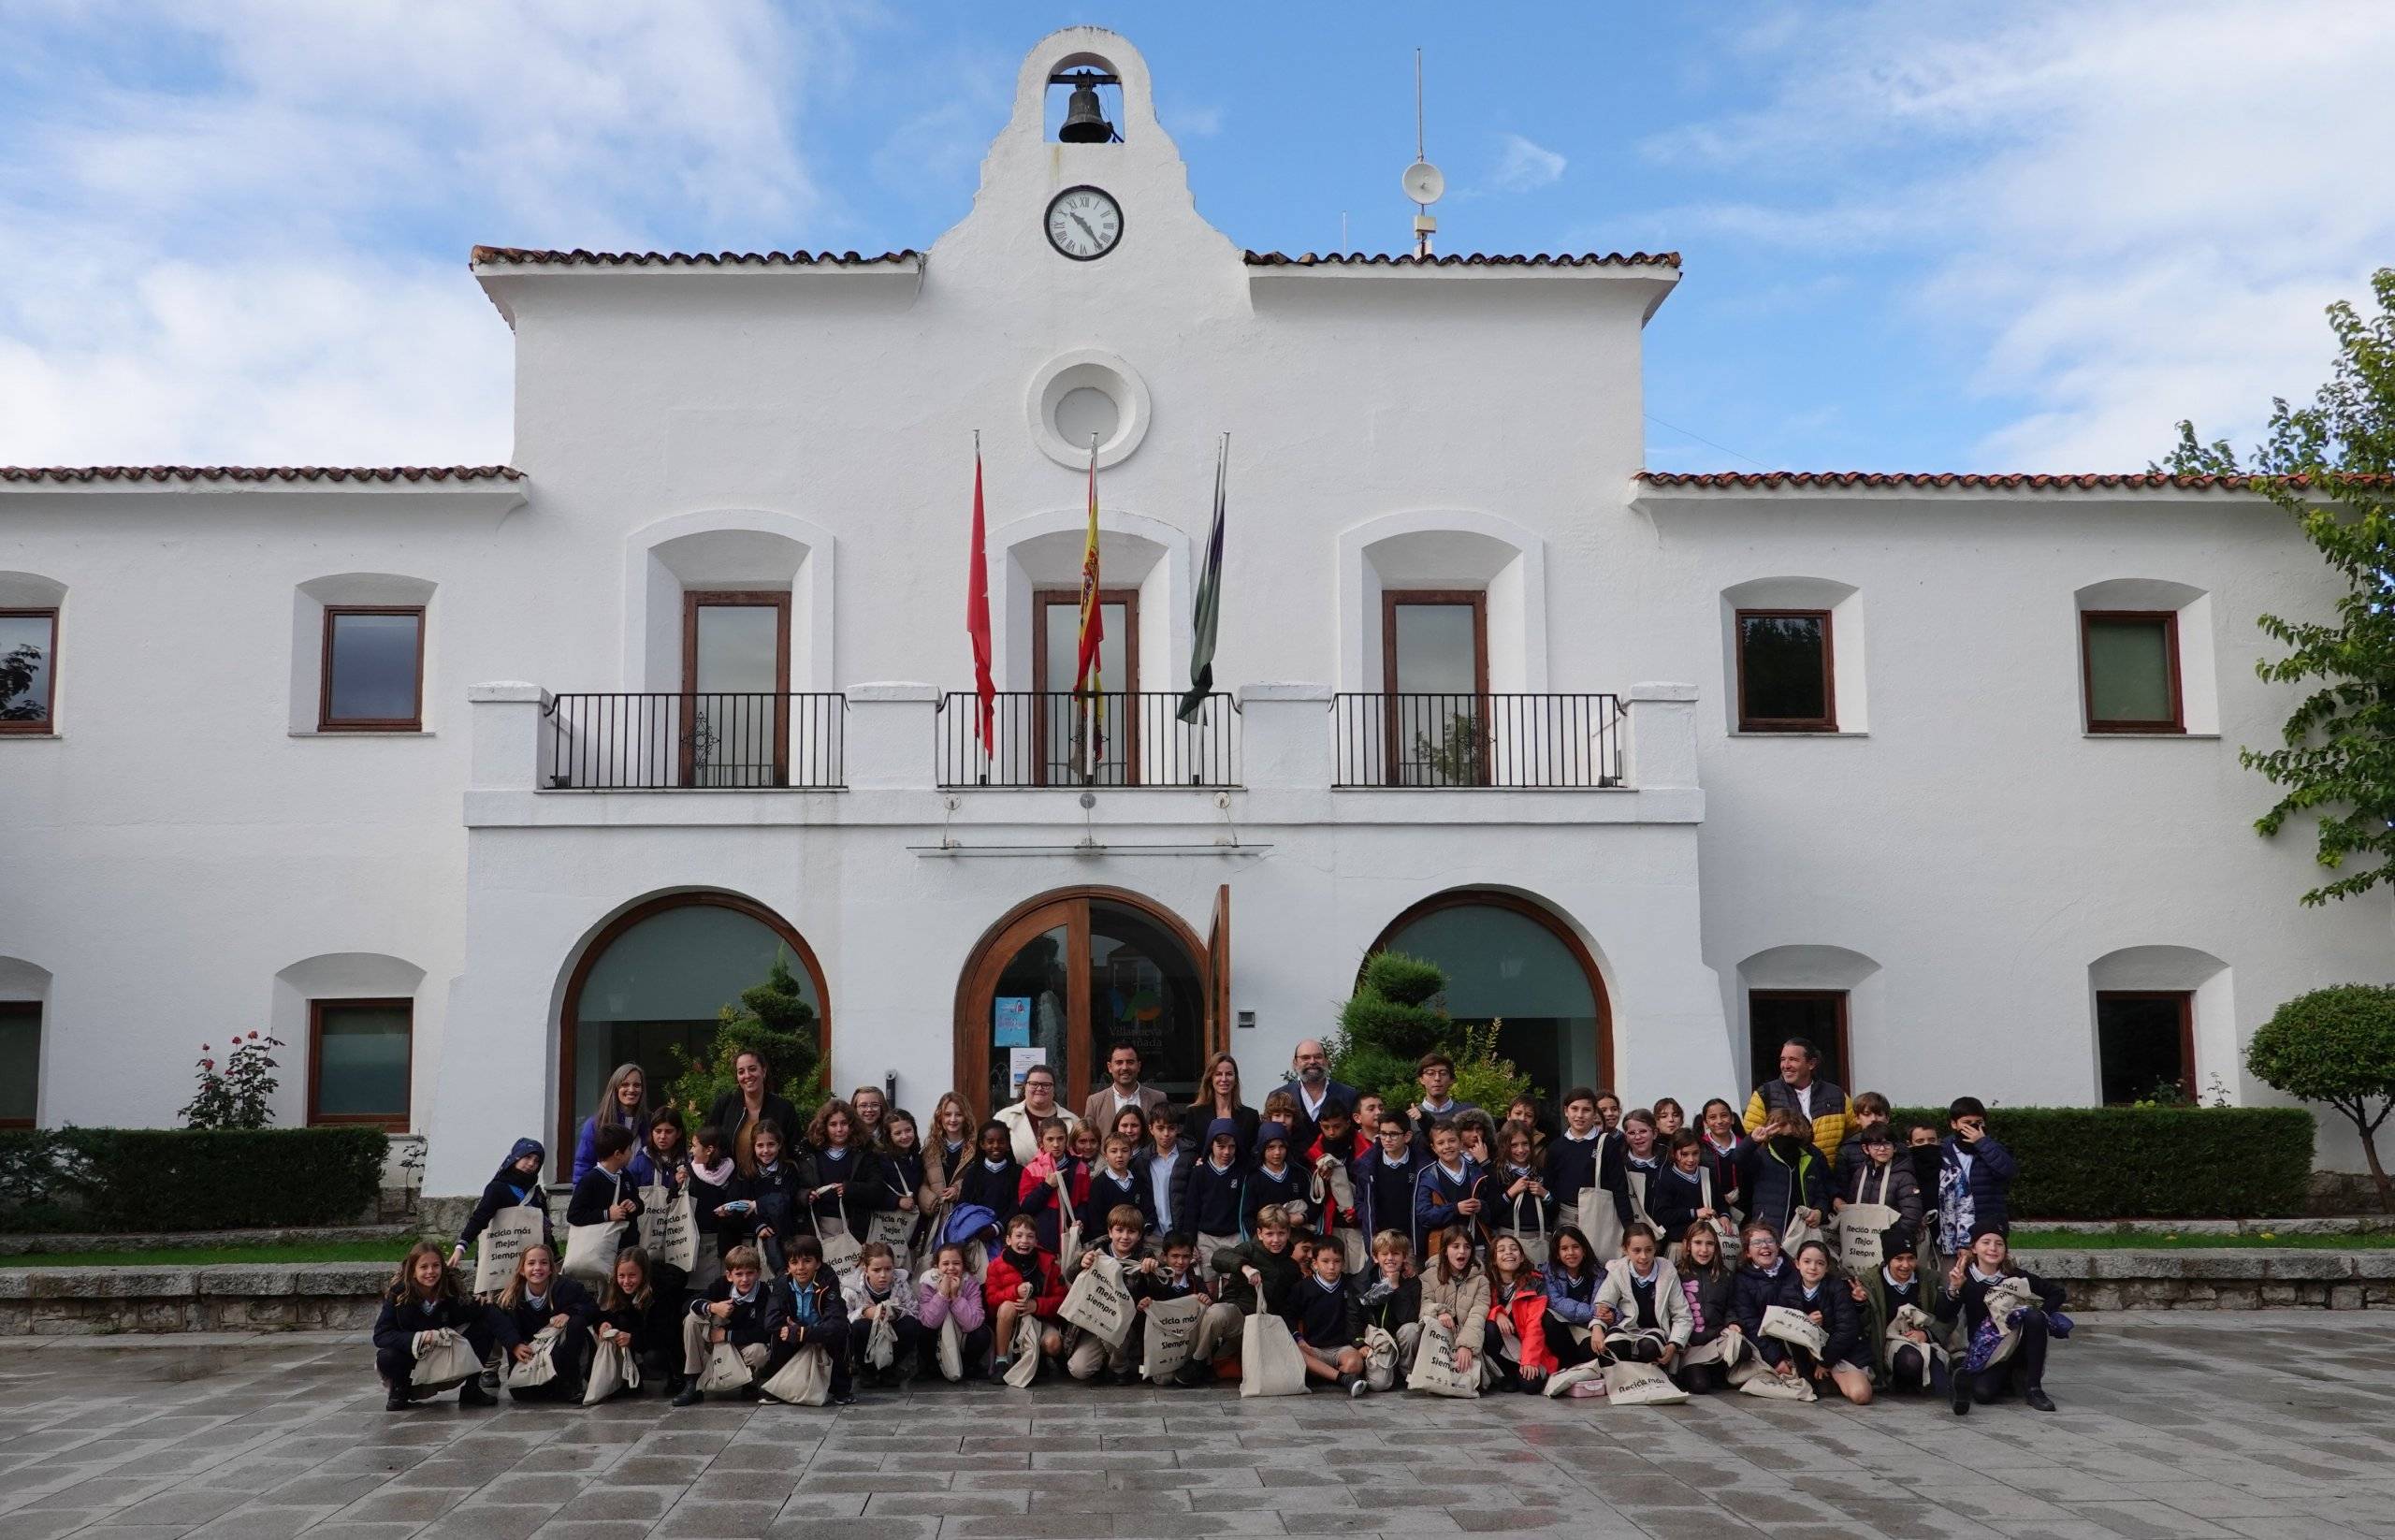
[(1325, 1319), (1214, 1200)]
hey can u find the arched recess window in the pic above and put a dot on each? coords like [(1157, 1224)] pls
[(1509, 959), (655, 979)]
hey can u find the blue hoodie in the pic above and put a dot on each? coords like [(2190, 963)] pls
[(508, 1188), (1214, 1195)]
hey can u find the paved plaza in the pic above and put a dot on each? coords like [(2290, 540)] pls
[(2270, 1424)]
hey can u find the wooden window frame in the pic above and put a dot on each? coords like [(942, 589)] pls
[(1392, 748), (32, 1009), (1827, 721), (695, 600), (1840, 1038), (326, 721), (48, 725), (398, 1123), (2169, 620), (1041, 600), (2186, 1000)]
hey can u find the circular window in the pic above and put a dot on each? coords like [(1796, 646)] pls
[(1083, 395)]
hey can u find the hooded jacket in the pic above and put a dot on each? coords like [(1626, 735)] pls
[(509, 1188)]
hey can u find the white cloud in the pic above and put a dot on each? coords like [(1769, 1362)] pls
[(1192, 120), (2131, 211), (244, 240), (1523, 166)]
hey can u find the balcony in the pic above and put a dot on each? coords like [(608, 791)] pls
[(1119, 740), (659, 741), (1519, 742)]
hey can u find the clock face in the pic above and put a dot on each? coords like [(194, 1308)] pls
[(1084, 223)]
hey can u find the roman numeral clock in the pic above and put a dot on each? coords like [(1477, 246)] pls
[(1084, 223)]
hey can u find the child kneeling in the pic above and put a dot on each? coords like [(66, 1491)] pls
[(1023, 1283), (424, 1299), (736, 1310), (1327, 1320), (949, 1297), (880, 1294), (1126, 1228)]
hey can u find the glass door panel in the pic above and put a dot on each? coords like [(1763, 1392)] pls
[(1436, 674), (735, 708), (1063, 722), (1028, 1005), (1146, 990)]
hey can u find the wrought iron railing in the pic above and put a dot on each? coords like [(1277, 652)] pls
[(1540, 742), (1120, 739), (719, 741)]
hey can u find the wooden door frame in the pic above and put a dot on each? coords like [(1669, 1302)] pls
[(976, 981), (1040, 601), (1477, 601), (694, 599)]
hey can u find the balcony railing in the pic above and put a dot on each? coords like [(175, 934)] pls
[(714, 741), (1518, 741), (1121, 738)]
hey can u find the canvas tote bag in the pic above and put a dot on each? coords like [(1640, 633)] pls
[(1782, 1324), (1099, 1302), (1535, 1241), (950, 1351), (448, 1360), (542, 1367), (728, 1368), (612, 1369), (1172, 1327), (840, 1248), (1025, 1352), (1914, 1318), (1770, 1386), (805, 1381), (1600, 1221), (1641, 1385), (1564, 1382), (1434, 1372), (669, 1227), (894, 1228), (504, 1240), (1380, 1357), (590, 1253), (1270, 1364)]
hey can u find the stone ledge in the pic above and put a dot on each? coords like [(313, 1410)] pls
[(253, 1297), (398, 1235)]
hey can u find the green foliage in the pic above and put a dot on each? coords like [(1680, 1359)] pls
[(2332, 466), (2336, 1045), (118, 1181), (2150, 1162), (773, 1018), (1394, 1018)]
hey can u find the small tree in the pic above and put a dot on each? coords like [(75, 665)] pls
[(2336, 1045), (1394, 1018), (241, 1093), (772, 1018), (2331, 467)]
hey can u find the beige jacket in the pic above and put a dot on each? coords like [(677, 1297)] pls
[(1466, 1298)]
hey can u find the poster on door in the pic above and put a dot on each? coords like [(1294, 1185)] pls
[(1022, 1061), (1010, 1019)]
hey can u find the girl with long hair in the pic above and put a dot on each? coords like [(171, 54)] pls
[(624, 1104), (424, 1297)]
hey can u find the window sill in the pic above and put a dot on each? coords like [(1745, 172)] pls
[(33, 737), (2117, 736), (1796, 732), (363, 732)]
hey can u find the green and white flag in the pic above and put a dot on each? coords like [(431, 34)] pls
[(1208, 611)]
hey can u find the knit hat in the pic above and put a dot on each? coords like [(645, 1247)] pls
[(1266, 1133), (1222, 1128)]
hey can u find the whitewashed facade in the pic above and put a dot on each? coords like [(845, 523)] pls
[(1951, 859)]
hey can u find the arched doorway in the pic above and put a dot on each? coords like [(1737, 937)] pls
[(654, 980), (1072, 972), (1509, 959)]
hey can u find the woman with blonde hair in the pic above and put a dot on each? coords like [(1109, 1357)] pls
[(1218, 1096), (949, 1150), (625, 1104)]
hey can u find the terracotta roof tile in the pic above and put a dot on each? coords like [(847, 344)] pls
[(1929, 480), (521, 257), (85, 474), (1473, 259)]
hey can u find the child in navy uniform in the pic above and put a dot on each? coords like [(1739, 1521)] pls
[(517, 1182), (712, 1175), (1327, 1320), (630, 1314), (1391, 1299), (1273, 1182), (425, 1297), (993, 1182), (605, 1192), (536, 1298), (1447, 1194), (1216, 1186), (1988, 1262), (1384, 1178), (805, 1309), (736, 1309), (1114, 1184), (1573, 1279), (1055, 1180), (776, 1193), (880, 1291), (1172, 1274)]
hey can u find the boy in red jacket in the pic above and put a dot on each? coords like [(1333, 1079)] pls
[(1023, 1279)]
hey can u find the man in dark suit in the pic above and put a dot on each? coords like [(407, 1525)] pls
[(1123, 1090), (1311, 1083)]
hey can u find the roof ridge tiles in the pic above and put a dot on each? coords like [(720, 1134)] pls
[(527, 256), (2014, 479), (86, 474), (1462, 259)]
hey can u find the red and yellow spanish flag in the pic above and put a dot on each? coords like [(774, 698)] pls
[(1087, 680)]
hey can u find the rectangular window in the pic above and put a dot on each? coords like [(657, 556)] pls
[(735, 688), (1784, 679), (1816, 1015), (373, 675), (19, 1063), (2145, 1041), (28, 669), (1434, 667), (2130, 669), (1056, 653), (358, 1054)]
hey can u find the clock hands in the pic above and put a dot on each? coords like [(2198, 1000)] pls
[(1085, 229)]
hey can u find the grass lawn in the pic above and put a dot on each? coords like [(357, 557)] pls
[(188, 1256), (2162, 1238)]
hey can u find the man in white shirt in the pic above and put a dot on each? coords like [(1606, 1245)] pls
[(1121, 1090), (1310, 1082)]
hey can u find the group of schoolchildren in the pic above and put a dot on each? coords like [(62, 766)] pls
[(1618, 1236)]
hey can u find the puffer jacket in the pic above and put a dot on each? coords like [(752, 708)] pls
[(1671, 1306), (1005, 1275), (1466, 1298), (1525, 1309), (1831, 1107)]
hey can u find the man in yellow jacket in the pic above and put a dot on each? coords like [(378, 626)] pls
[(1825, 1106)]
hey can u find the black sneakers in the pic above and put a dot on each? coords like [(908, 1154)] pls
[(1962, 1396), (691, 1396), (397, 1400), (472, 1394), (2038, 1398)]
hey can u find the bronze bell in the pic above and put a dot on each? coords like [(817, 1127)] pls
[(1083, 123)]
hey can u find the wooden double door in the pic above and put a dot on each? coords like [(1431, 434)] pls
[(1070, 974)]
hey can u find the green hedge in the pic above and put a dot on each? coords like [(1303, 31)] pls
[(116, 1181), (2150, 1162)]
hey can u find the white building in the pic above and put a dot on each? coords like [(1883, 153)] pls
[(1662, 766)]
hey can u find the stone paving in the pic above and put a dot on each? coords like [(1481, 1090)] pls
[(2267, 1424)]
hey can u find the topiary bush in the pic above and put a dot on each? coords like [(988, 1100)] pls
[(772, 1018), (2150, 1162), (1394, 1018), (2336, 1045), (115, 1180)]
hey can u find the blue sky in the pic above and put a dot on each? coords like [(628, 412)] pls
[(1916, 236)]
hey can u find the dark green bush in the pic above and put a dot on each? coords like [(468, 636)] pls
[(116, 1181), (2149, 1162)]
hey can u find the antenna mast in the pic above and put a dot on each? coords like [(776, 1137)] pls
[(1422, 181)]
